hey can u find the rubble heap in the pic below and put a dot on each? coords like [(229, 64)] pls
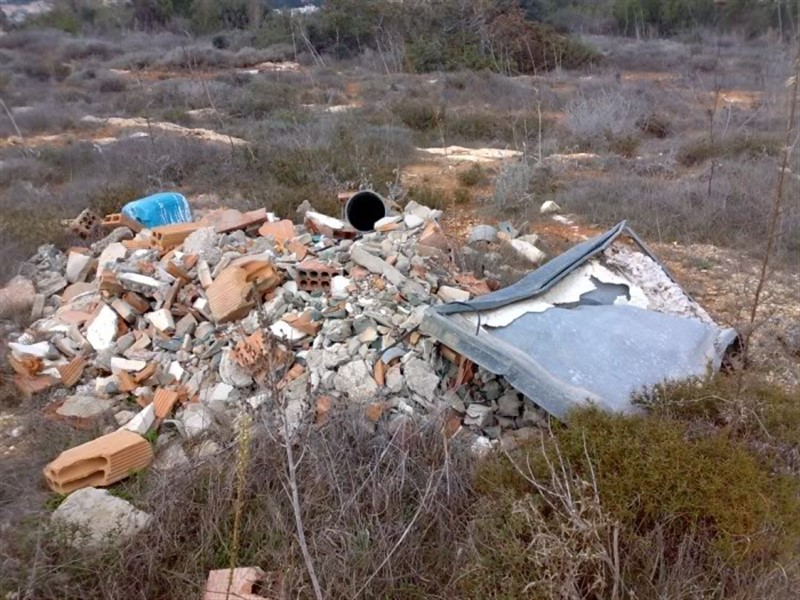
[(191, 324)]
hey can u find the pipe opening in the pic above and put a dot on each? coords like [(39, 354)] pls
[(364, 209)]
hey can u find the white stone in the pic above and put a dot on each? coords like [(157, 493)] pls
[(339, 285), (77, 266), (39, 350), (124, 364), (413, 221), (482, 446), (176, 370), (529, 251), (101, 516), (110, 255), (142, 421), (549, 208), (196, 419), (84, 407), (102, 330), (452, 294), (283, 331), (161, 320)]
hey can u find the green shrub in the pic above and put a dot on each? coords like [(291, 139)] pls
[(625, 145), (474, 175), (701, 150), (644, 480), (419, 115)]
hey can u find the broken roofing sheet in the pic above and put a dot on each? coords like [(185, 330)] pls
[(598, 323)]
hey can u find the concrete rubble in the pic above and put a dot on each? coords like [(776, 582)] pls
[(236, 312)]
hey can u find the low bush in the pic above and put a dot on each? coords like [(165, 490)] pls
[(473, 176), (615, 506), (751, 146)]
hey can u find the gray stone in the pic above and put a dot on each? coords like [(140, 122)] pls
[(51, 284), (376, 265), (170, 457), (102, 517), (185, 326), (355, 380), (205, 244), (117, 235), (197, 419), (204, 329), (84, 407), (482, 233), (479, 415), (421, 379), (123, 416), (337, 330), (509, 404), (231, 373)]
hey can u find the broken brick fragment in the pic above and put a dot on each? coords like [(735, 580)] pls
[(164, 401), (71, 372), (281, 231), (240, 583)]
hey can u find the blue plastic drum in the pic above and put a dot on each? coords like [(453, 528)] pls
[(164, 208)]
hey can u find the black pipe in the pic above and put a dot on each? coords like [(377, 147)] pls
[(364, 209)]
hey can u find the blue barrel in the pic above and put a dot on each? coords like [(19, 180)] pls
[(164, 208)]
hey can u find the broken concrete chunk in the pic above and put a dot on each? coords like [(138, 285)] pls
[(109, 256), (161, 320), (103, 517), (141, 284), (142, 421), (452, 294), (124, 364), (186, 325), (78, 265), (376, 265), (196, 419), (421, 378), (528, 251), (102, 330), (231, 373), (355, 380), (84, 407)]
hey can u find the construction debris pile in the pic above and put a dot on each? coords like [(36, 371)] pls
[(187, 325)]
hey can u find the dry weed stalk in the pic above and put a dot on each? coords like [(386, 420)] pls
[(244, 430), (777, 210)]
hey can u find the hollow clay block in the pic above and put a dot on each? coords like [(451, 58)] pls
[(98, 463), (242, 582)]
